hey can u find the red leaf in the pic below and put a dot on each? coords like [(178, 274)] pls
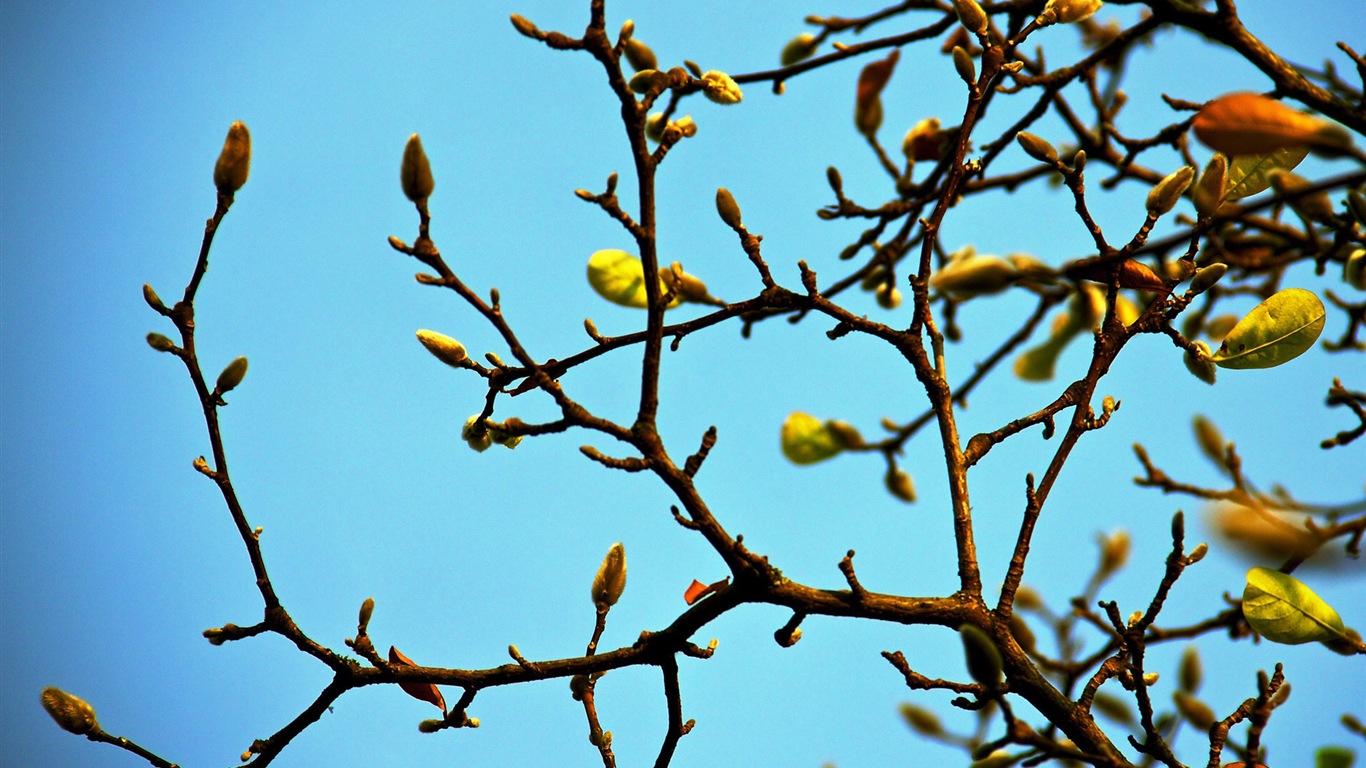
[(427, 692)]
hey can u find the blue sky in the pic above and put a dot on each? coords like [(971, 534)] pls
[(344, 439)]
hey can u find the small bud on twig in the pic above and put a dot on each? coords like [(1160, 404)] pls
[(72, 713), (416, 171), (160, 343), (234, 162), (728, 209), (610, 580), (232, 375)]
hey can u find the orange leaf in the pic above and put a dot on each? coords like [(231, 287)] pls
[(1251, 124), (427, 692), (697, 590)]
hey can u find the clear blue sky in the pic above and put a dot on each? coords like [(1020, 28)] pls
[(344, 439)]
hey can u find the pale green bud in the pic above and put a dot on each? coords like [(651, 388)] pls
[(1037, 148), (160, 343), (1209, 191), (654, 126), (639, 55), (1067, 11), (610, 580), (232, 375), (983, 657), (798, 49), (1191, 672), (367, 608), (1206, 277), (963, 63), (1167, 192), (416, 172), (153, 300), (1201, 366), (921, 720), (971, 16), (720, 88), (476, 435), (1196, 712), (900, 485), (1354, 271), (72, 713), (645, 79), (444, 348), (234, 162)]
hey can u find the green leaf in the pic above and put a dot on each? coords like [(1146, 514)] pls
[(1334, 757), (807, 439), (619, 277), (1276, 331), (1249, 174), (1283, 610)]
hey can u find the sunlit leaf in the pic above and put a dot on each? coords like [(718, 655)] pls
[(427, 692), (1276, 331), (619, 277), (1282, 609), (1252, 124), (807, 440), (1249, 174)]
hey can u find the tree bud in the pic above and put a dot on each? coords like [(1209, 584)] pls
[(160, 343), (232, 375), (428, 726), (1019, 629), (476, 435), (1167, 192), (525, 27), (645, 79), (72, 713), (888, 296), (964, 64), (728, 209), (832, 175), (639, 55), (1114, 552), (971, 16), (1196, 712), (923, 721), (444, 348), (798, 49), (1191, 671), (1209, 191), (610, 580), (900, 485), (1201, 366), (983, 657), (234, 162), (366, 609), (685, 125), (416, 172), (1354, 270), (1210, 440), (1037, 148), (720, 88), (1067, 11), (654, 126), (1028, 599), (153, 300), (1206, 277)]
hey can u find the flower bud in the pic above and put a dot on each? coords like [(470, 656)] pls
[(1113, 707), (232, 375), (832, 175), (1114, 552), (971, 16), (1037, 148), (70, 712), (1196, 712), (444, 348), (1354, 270), (366, 609), (1150, 679), (476, 435), (1167, 192), (728, 209), (983, 657), (888, 296), (1201, 366), (416, 172), (923, 721), (639, 55), (1067, 11), (1206, 277), (525, 27), (1210, 439), (963, 63), (1024, 636), (798, 49), (900, 485), (1191, 672), (153, 300), (645, 79), (234, 162), (654, 126), (720, 88), (685, 125), (610, 580), (160, 343), (1197, 554), (1027, 598), (845, 433), (431, 726)]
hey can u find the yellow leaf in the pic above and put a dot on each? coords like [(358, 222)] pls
[(619, 277)]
